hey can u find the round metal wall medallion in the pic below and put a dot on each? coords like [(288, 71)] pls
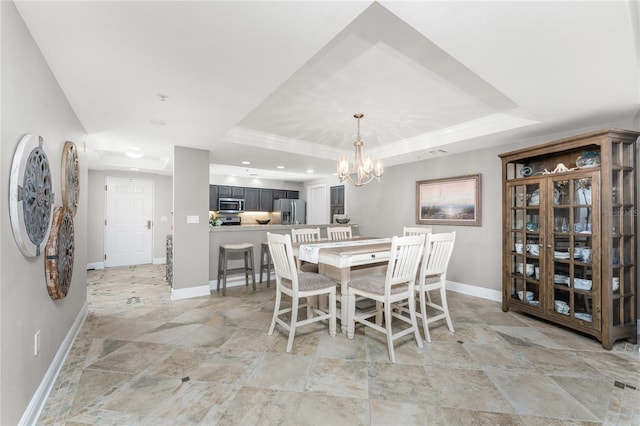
[(70, 177), (59, 254), (30, 195)]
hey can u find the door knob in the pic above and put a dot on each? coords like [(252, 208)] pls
[(148, 224)]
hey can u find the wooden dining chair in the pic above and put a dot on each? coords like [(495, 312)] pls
[(298, 285), (305, 235), (339, 232), (396, 286), (416, 230), (433, 276)]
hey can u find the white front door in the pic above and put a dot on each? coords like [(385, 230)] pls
[(317, 209), (128, 228)]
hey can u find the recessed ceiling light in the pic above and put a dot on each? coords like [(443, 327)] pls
[(281, 167), (134, 148), (246, 162), (309, 170), (134, 154), (157, 122), (133, 169)]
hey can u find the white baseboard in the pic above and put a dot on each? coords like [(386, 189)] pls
[(159, 260), (32, 413), (471, 290), (95, 265), (238, 280), (189, 292)]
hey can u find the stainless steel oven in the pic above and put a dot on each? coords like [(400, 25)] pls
[(230, 205)]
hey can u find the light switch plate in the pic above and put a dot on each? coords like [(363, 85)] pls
[(193, 219)]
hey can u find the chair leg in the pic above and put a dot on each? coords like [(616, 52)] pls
[(387, 323), (332, 312), (312, 303), (423, 314), (253, 274), (414, 321), (268, 269), (379, 314), (445, 308), (219, 270), (292, 327), (262, 265), (224, 275), (276, 309), (246, 268), (351, 323)]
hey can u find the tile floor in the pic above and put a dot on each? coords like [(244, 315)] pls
[(141, 358)]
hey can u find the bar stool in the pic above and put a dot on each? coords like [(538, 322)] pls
[(265, 262), (246, 250)]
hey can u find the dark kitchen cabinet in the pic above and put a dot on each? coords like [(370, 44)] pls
[(258, 200), (265, 203), (251, 199), (213, 197), (336, 200), (284, 193), (231, 191)]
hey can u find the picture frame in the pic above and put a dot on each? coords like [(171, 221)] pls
[(449, 201)]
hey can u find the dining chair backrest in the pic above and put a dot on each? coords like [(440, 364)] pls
[(405, 255), (416, 230), (339, 232), (438, 249), (284, 263), (305, 235)]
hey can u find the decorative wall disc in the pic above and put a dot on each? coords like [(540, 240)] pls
[(30, 195), (70, 177), (58, 262)]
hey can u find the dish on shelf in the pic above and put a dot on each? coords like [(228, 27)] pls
[(583, 316), (582, 284), (534, 302), (263, 222), (534, 200), (561, 279), (561, 307), (588, 159), (529, 296), (561, 255)]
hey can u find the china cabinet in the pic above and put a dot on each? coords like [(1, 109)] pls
[(569, 233)]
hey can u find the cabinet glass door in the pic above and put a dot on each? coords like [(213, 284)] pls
[(623, 221), (524, 235), (574, 248)]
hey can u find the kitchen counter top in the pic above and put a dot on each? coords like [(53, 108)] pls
[(269, 227)]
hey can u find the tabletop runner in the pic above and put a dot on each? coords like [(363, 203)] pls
[(310, 252)]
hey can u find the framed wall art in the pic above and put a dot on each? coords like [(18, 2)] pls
[(449, 201)]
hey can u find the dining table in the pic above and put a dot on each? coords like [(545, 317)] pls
[(345, 260)]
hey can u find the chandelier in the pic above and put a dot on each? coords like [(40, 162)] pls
[(362, 171)]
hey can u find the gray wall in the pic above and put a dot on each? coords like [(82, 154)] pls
[(162, 209), (32, 102), (190, 198)]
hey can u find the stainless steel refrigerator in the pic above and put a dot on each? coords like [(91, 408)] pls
[(290, 212)]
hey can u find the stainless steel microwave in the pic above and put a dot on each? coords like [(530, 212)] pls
[(230, 205)]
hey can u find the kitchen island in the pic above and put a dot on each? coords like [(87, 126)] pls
[(254, 234)]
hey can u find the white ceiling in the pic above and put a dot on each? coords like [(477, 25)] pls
[(277, 83)]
